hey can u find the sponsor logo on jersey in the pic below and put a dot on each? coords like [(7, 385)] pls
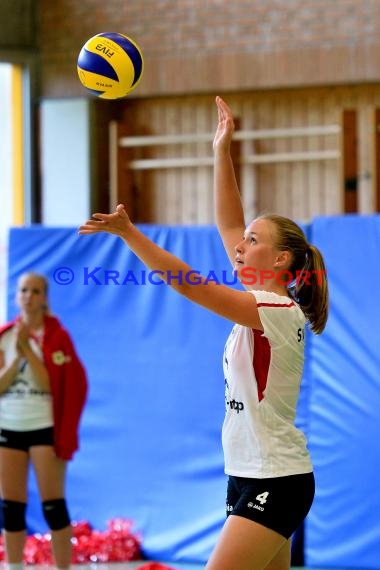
[(235, 405)]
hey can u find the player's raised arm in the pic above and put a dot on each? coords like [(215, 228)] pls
[(233, 305), (228, 207)]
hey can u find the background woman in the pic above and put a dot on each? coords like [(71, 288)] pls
[(43, 390)]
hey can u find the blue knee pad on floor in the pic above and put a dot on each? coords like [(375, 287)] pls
[(56, 514), (14, 515)]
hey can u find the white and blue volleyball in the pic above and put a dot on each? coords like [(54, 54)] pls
[(110, 65)]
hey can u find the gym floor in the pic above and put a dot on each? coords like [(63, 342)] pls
[(148, 565), (141, 563)]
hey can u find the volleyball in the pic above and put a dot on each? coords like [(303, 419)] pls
[(110, 65)]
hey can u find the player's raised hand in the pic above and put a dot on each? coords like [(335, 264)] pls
[(225, 128), (116, 223)]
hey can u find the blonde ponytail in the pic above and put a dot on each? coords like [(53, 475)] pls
[(310, 292)]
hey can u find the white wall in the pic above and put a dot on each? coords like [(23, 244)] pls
[(65, 161), (6, 180), (65, 167)]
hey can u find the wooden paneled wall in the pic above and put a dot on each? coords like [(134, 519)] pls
[(17, 25), (300, 188)]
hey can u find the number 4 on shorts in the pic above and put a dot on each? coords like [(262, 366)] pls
[(262, 498)]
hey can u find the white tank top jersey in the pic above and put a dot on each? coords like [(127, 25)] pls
[(263, 372), (24, 406)]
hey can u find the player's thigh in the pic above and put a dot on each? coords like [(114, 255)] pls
[(13, 474), (281, 561), (246, 545), (50, 472)]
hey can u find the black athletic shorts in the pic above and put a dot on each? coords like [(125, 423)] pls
[(280, 504), (23, 440)]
